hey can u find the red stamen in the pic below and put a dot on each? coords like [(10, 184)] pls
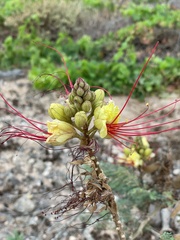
[(12, 131), (126, 129), (137, 80)]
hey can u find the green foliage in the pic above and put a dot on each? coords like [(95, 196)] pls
[(16, 236), (158, 14), (110, 61), (167, 236), (131, 192)]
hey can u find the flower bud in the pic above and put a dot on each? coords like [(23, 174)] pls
[(86, 87), (93, 96), (82, 83), (80, 92), (56, 111), (78, 99), (97, 104), (99, 93), (145, 142), (77, 106), (76, 85), (69, 111), (80, 119), (87, 96), (127, 151), (141, 151), (86, 106), (71, 98), (147, 152)]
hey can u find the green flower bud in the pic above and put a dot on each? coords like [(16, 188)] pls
[(127, 151), (80, 92), (77, 106), (56, 111), (97, 104), (86, 87), (80, 119), (71, 98), (82, 83), (86, 106), (78, 99), (147, 152), (87, 96), (141, 151), (99, 93), (76, 85), (93, 96), (69, 111)]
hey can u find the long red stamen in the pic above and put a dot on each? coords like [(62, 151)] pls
[(136, 82), (21, 131), (127, 129), (16, 112)]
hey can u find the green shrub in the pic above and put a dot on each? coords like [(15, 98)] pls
[(16, 236)]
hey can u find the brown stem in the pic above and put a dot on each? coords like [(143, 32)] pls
[(114, 211), (112, 206)]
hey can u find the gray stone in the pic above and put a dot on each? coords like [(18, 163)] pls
[(24, 205)]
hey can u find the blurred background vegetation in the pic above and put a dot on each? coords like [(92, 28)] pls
[(104, 41)]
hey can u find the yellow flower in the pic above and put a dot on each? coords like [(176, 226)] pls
[(60, 131), (104, 115), (145, 142), (135, 159)]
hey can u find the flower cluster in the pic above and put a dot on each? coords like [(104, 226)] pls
[(138, 154)]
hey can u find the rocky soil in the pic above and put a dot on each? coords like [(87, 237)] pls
[(30, 172)]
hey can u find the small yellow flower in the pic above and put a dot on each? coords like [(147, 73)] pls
[(103, 115), (60, 131), (145, 142), (135, 159)]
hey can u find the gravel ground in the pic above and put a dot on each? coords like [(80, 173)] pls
[(29, 172)]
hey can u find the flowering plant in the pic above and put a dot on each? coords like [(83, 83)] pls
[(83, 114)]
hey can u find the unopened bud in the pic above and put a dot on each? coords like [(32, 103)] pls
[(87, 96), (80, 119), (97, 104), (141, 151), (71, 98), (86, 87), (127, 151), (147, 152), (93, 96), (86, 106), (77, 106), (56, 111), (80, 92), (78, 99), (81, 83), (69, 111), (145, 142), (99, 95)]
